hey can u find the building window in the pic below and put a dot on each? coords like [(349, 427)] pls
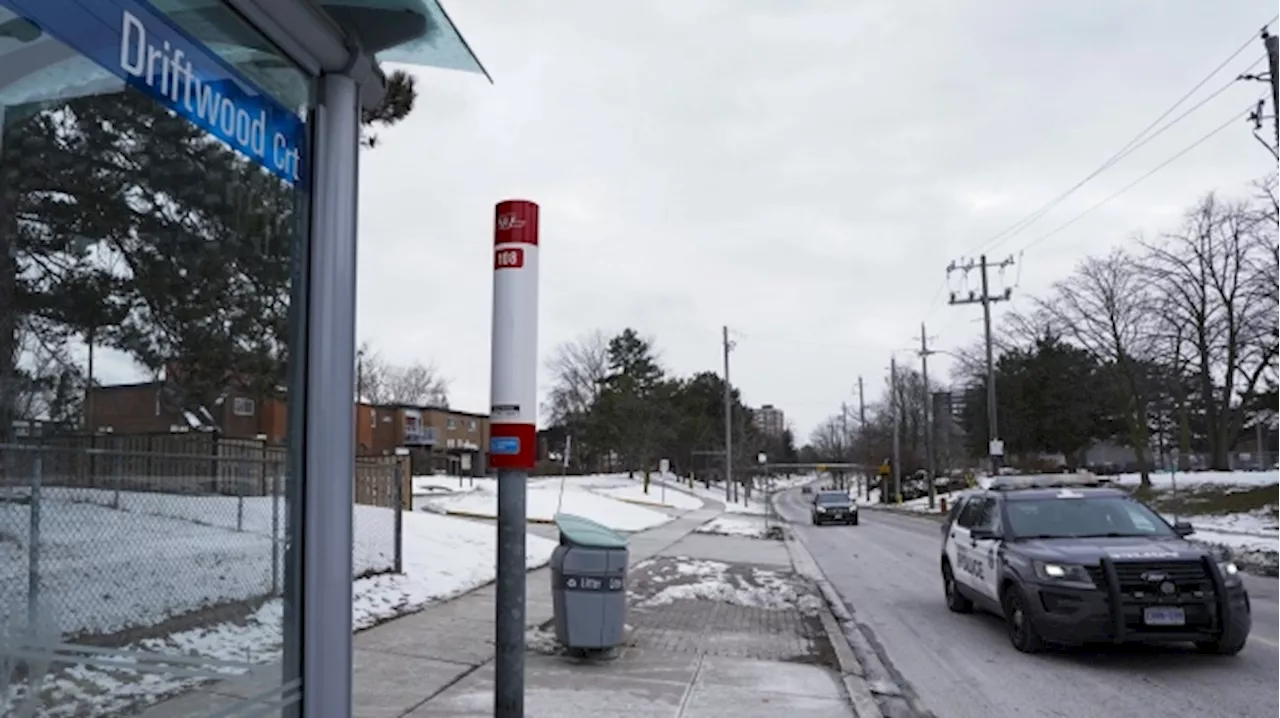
[(471, 426), (242, 406), (373, 419), (451, 424)]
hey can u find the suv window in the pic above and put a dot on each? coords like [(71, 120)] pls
[(972, 512), (990, 516), (955, 509)]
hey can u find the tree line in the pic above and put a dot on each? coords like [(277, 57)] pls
[(615, 406), (1167, 346)]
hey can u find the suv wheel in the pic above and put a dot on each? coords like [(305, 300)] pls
[(1022, 632), (1230, 643), (956, 602)]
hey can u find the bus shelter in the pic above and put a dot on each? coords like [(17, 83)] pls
[(178, 188)]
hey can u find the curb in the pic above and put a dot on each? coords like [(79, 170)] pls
[(486, 517), (641, 502), (852, 673)]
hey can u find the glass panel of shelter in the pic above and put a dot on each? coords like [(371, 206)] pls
[(152, 227)]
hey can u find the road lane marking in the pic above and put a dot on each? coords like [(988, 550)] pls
[(1260, 639)]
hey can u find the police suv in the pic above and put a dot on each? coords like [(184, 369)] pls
[(1068, 560)]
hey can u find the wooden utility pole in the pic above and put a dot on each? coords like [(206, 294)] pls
[(995, 447), (728, 419), (866, 445), (928, 413)]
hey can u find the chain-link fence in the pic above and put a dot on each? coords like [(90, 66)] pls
[(113, 538)]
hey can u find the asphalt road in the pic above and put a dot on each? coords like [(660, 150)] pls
[(962, 666)]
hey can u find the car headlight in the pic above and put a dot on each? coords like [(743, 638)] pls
[(1228, 569), (821, 510), (1064, 572)]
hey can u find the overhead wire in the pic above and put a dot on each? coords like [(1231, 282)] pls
[(1234, 118), (1132, 145)]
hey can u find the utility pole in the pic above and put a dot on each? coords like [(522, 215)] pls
[(896, 411), (928, 412), (866, 446), (1273, 48), (844, 437), (1272, 77), (995, 447), (728, 419)]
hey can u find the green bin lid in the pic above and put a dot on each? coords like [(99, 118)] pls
[(585, 532)]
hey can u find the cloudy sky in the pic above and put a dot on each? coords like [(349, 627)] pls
[(800, 171)]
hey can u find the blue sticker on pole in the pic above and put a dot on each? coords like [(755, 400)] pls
[(136, 42), (504, 445)]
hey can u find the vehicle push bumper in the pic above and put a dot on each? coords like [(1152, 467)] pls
[(836, 516), (1195, 603)]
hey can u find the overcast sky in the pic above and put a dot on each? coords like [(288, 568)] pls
[(801, 171)]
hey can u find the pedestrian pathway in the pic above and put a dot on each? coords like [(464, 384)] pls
[(714, 636), (401, 664)]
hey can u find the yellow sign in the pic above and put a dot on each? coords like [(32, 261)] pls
[(884, 469), (822, 467)]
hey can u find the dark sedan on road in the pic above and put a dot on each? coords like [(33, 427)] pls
[(834, 507)]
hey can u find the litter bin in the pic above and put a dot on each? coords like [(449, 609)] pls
[(589, 584)]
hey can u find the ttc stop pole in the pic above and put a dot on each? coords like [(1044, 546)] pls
[(513, 415)]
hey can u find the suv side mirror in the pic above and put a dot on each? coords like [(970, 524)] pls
[(1183, 529)]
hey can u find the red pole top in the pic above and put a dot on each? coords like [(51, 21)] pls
[(515, 221)]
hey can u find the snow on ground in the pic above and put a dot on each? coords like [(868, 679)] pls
[(112, 561), (715, 493), (443, 557), (426, 484), (619, 486), (735, 525), (1164, 480), (545, 499), (702, 580)]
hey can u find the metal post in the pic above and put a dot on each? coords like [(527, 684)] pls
[(896, 412), (329, 423), (1273, 51), (33, 538), (513, 437), (397, 501), (1257, 428), (509, 618), (275, 530)]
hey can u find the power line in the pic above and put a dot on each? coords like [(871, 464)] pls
[(1125, 153), (1235, 118), (1131, 145)]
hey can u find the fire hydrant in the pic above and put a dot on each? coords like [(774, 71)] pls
[(942, 505)]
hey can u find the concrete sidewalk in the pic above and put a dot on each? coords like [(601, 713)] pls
[(695, 651), (401, 664)]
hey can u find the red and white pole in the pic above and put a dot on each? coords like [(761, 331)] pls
[(513, 433)]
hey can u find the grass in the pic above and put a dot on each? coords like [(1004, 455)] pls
[(1211, 499)]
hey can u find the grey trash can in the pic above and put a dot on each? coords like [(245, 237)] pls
[(589, 584)]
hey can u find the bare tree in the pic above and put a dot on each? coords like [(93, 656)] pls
[(577, 369), (418, 384), (381, 382), (1107, 307), (829, 441), (1216, 277)]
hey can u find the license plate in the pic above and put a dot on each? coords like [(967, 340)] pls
[(1164, 616)]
